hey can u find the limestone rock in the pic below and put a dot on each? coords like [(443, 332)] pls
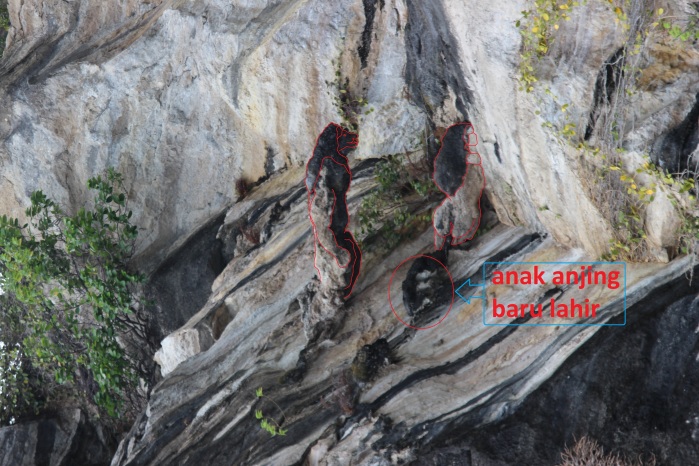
[(187, 97), (178, 347), (662, 222), (184, 126)]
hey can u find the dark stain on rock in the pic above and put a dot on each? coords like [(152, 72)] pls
[(448, 368), (365, 43), (329, 163), (608, 79), (450, 164), (269, 161), (45, 438), (182, 284), (674, 150), (369, 359), (497, 151), (432, 66), (520, 247), (296, 374)]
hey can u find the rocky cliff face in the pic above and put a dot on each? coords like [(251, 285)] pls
[(186, 98), (67, 437)]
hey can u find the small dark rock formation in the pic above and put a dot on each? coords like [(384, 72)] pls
[(328, 178), (606, 84), (427, 285), (369, 359)]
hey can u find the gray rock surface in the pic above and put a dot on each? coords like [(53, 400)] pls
[(462, 375), (185, 97), (188, 97)]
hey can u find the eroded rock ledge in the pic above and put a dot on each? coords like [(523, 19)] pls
[(429, 388)]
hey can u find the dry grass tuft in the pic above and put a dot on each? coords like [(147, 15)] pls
[(587, 452)]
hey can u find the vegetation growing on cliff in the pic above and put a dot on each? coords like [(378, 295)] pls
[(537, 27), (621, 193), (683, 28), (587, 452), (351, 106), (4, 24), (68, 301), (392, 210), (267, 423)]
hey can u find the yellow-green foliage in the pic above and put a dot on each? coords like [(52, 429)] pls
[(683, 28), (268, 424), (629, 242), (537, 27)]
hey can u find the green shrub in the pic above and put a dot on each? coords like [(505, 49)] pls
[(683, 27), (4, 16), (389, 211), (68, 298), (20, 392), (269, 424), (4, 24)]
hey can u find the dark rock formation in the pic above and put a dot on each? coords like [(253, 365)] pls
[(337, 255), (432, 70), (459, 175), (369, 359), (66, 438), (427, 286), (606, 84), (676, 150), (182, 284)]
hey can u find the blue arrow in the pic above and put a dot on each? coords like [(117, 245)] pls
[(468, 282)]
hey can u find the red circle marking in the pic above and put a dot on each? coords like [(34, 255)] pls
[(451, 280)]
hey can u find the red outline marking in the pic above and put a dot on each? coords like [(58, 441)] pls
[(467, 146), (356, 253), (390, 282)]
